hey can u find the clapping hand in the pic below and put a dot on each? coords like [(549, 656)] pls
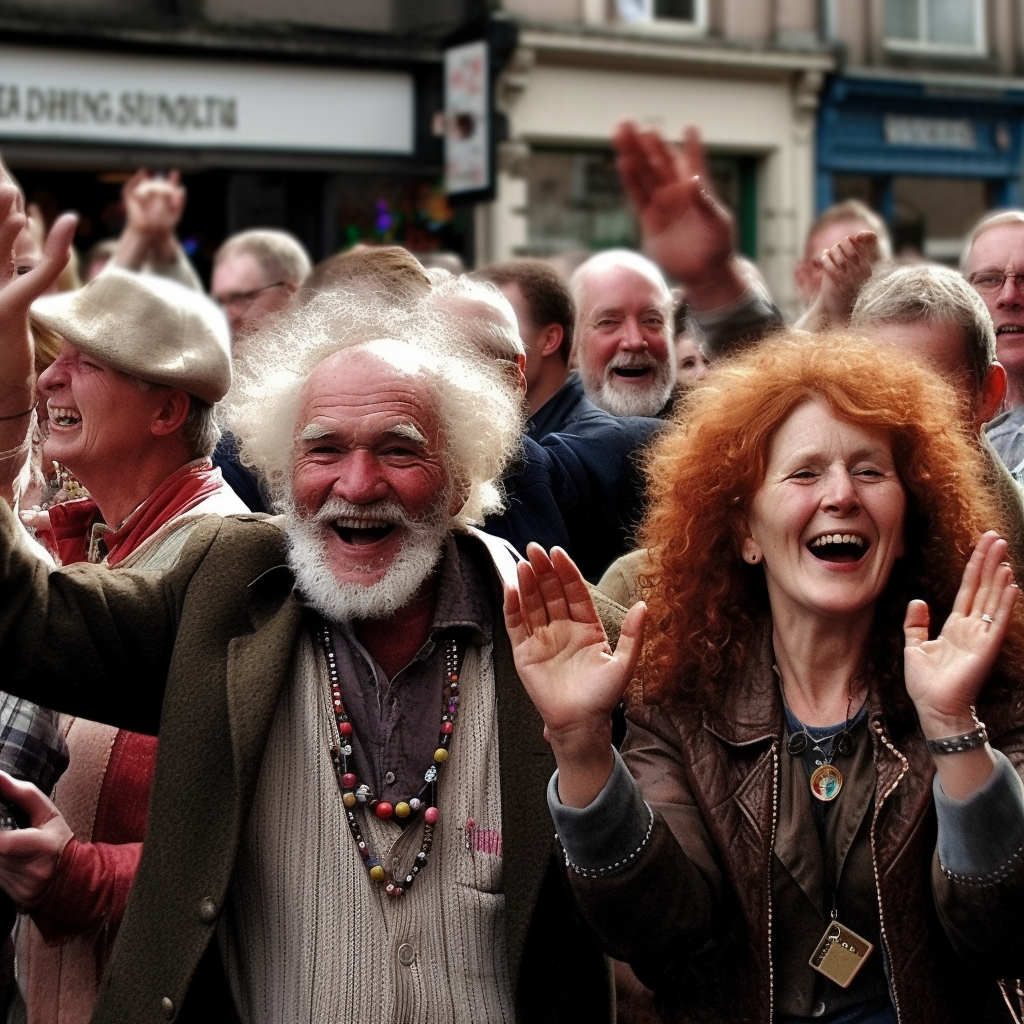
[(845, 267), (565, 662), (944, 676)]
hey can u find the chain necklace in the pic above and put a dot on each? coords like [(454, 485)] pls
[(398, 870)]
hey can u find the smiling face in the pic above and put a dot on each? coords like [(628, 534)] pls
[(625, 352), (827, 522), (247, 294), (997, 251), (99, 419), (372, 500)]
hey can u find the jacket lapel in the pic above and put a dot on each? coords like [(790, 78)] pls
[(258, 665)]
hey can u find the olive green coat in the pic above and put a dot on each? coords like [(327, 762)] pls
[(199, 654)]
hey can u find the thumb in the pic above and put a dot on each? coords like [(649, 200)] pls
[(915, 623), (631, 637), (28, 798)]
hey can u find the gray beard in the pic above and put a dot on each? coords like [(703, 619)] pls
[(342, 601), (621, 399)]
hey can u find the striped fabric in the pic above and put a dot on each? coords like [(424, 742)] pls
[(307, 936)]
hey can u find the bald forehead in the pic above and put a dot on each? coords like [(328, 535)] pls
[(593, 281)]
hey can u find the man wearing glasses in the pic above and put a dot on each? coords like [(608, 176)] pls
[(255, 274), (993, 263)]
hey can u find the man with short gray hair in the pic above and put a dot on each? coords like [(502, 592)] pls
[(256, 274), (993, 263), (931, 313)]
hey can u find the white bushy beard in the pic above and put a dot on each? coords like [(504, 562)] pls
[(621, 399), (343, 600)]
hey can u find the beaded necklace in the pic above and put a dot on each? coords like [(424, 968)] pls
[(400, 877)]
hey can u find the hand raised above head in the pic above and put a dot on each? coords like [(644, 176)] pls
[(944, 676), (18, 292), (683, 228), (845, 267)]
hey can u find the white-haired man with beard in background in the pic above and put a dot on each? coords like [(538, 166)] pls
[(348, 815), (623, 346)]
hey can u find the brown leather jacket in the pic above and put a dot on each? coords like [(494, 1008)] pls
[(693, 915)]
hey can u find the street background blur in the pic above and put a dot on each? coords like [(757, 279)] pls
[(482, 129)]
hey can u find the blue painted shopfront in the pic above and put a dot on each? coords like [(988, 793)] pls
[(886, 128)]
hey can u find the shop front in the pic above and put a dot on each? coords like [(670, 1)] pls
[(336, 155), (931, 156)]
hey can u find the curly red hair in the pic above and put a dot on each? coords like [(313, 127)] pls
[(707, 606)]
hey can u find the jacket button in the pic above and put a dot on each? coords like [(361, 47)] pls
[(207, 911), (167, 1005), (389, 778), (406, 955), (819, 1010)]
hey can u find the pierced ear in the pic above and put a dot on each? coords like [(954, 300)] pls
[(751, 551), (172, 413)]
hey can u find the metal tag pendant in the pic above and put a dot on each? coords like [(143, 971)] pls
[(826, 781), (840, 954)]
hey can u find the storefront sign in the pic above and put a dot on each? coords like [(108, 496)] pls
[(936, 132), (467, 136), (87, 97)]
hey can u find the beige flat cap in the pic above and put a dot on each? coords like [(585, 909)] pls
[(147, 326)]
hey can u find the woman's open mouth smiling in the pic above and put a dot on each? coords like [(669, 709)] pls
[(839, 547)]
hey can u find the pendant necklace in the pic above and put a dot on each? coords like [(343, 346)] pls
[(407, 857), (826, 780)]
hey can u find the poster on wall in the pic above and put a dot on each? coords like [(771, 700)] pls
[(468, 142)]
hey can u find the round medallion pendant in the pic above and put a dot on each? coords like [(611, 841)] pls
[(826, 781)]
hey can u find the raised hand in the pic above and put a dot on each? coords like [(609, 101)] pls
[(153, 209), (944, 676), (845, 267), (18, 292), (684, 229), (564, 659)]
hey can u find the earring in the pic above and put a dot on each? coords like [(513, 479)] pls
[(754, 557)]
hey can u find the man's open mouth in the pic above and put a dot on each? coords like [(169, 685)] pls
[(64, 417), (1010, 329), (362, 531), (631, 371), (839, 547)]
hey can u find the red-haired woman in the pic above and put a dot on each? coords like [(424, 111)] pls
[(809, 820)]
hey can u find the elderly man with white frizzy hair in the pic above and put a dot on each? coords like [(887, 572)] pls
[(341, 725)]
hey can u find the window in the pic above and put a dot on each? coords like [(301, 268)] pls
[(947, 25), (668, 12)]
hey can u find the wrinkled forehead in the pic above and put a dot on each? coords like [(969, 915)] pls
[(383, 377), (997, 247), (629, 287)]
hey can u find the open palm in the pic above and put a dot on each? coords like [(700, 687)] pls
[(944, 676), (561, 651)]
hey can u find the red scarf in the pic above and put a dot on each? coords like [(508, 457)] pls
[(72, 523)]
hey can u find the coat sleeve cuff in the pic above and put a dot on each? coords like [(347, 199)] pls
[(979, 835), (609, 829)]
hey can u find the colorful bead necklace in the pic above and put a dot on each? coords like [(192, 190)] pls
[(354, 793)]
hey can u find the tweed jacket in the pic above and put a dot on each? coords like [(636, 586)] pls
[(200, 653), (693, 914)]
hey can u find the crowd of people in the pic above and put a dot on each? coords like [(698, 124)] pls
[(383, 643)]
